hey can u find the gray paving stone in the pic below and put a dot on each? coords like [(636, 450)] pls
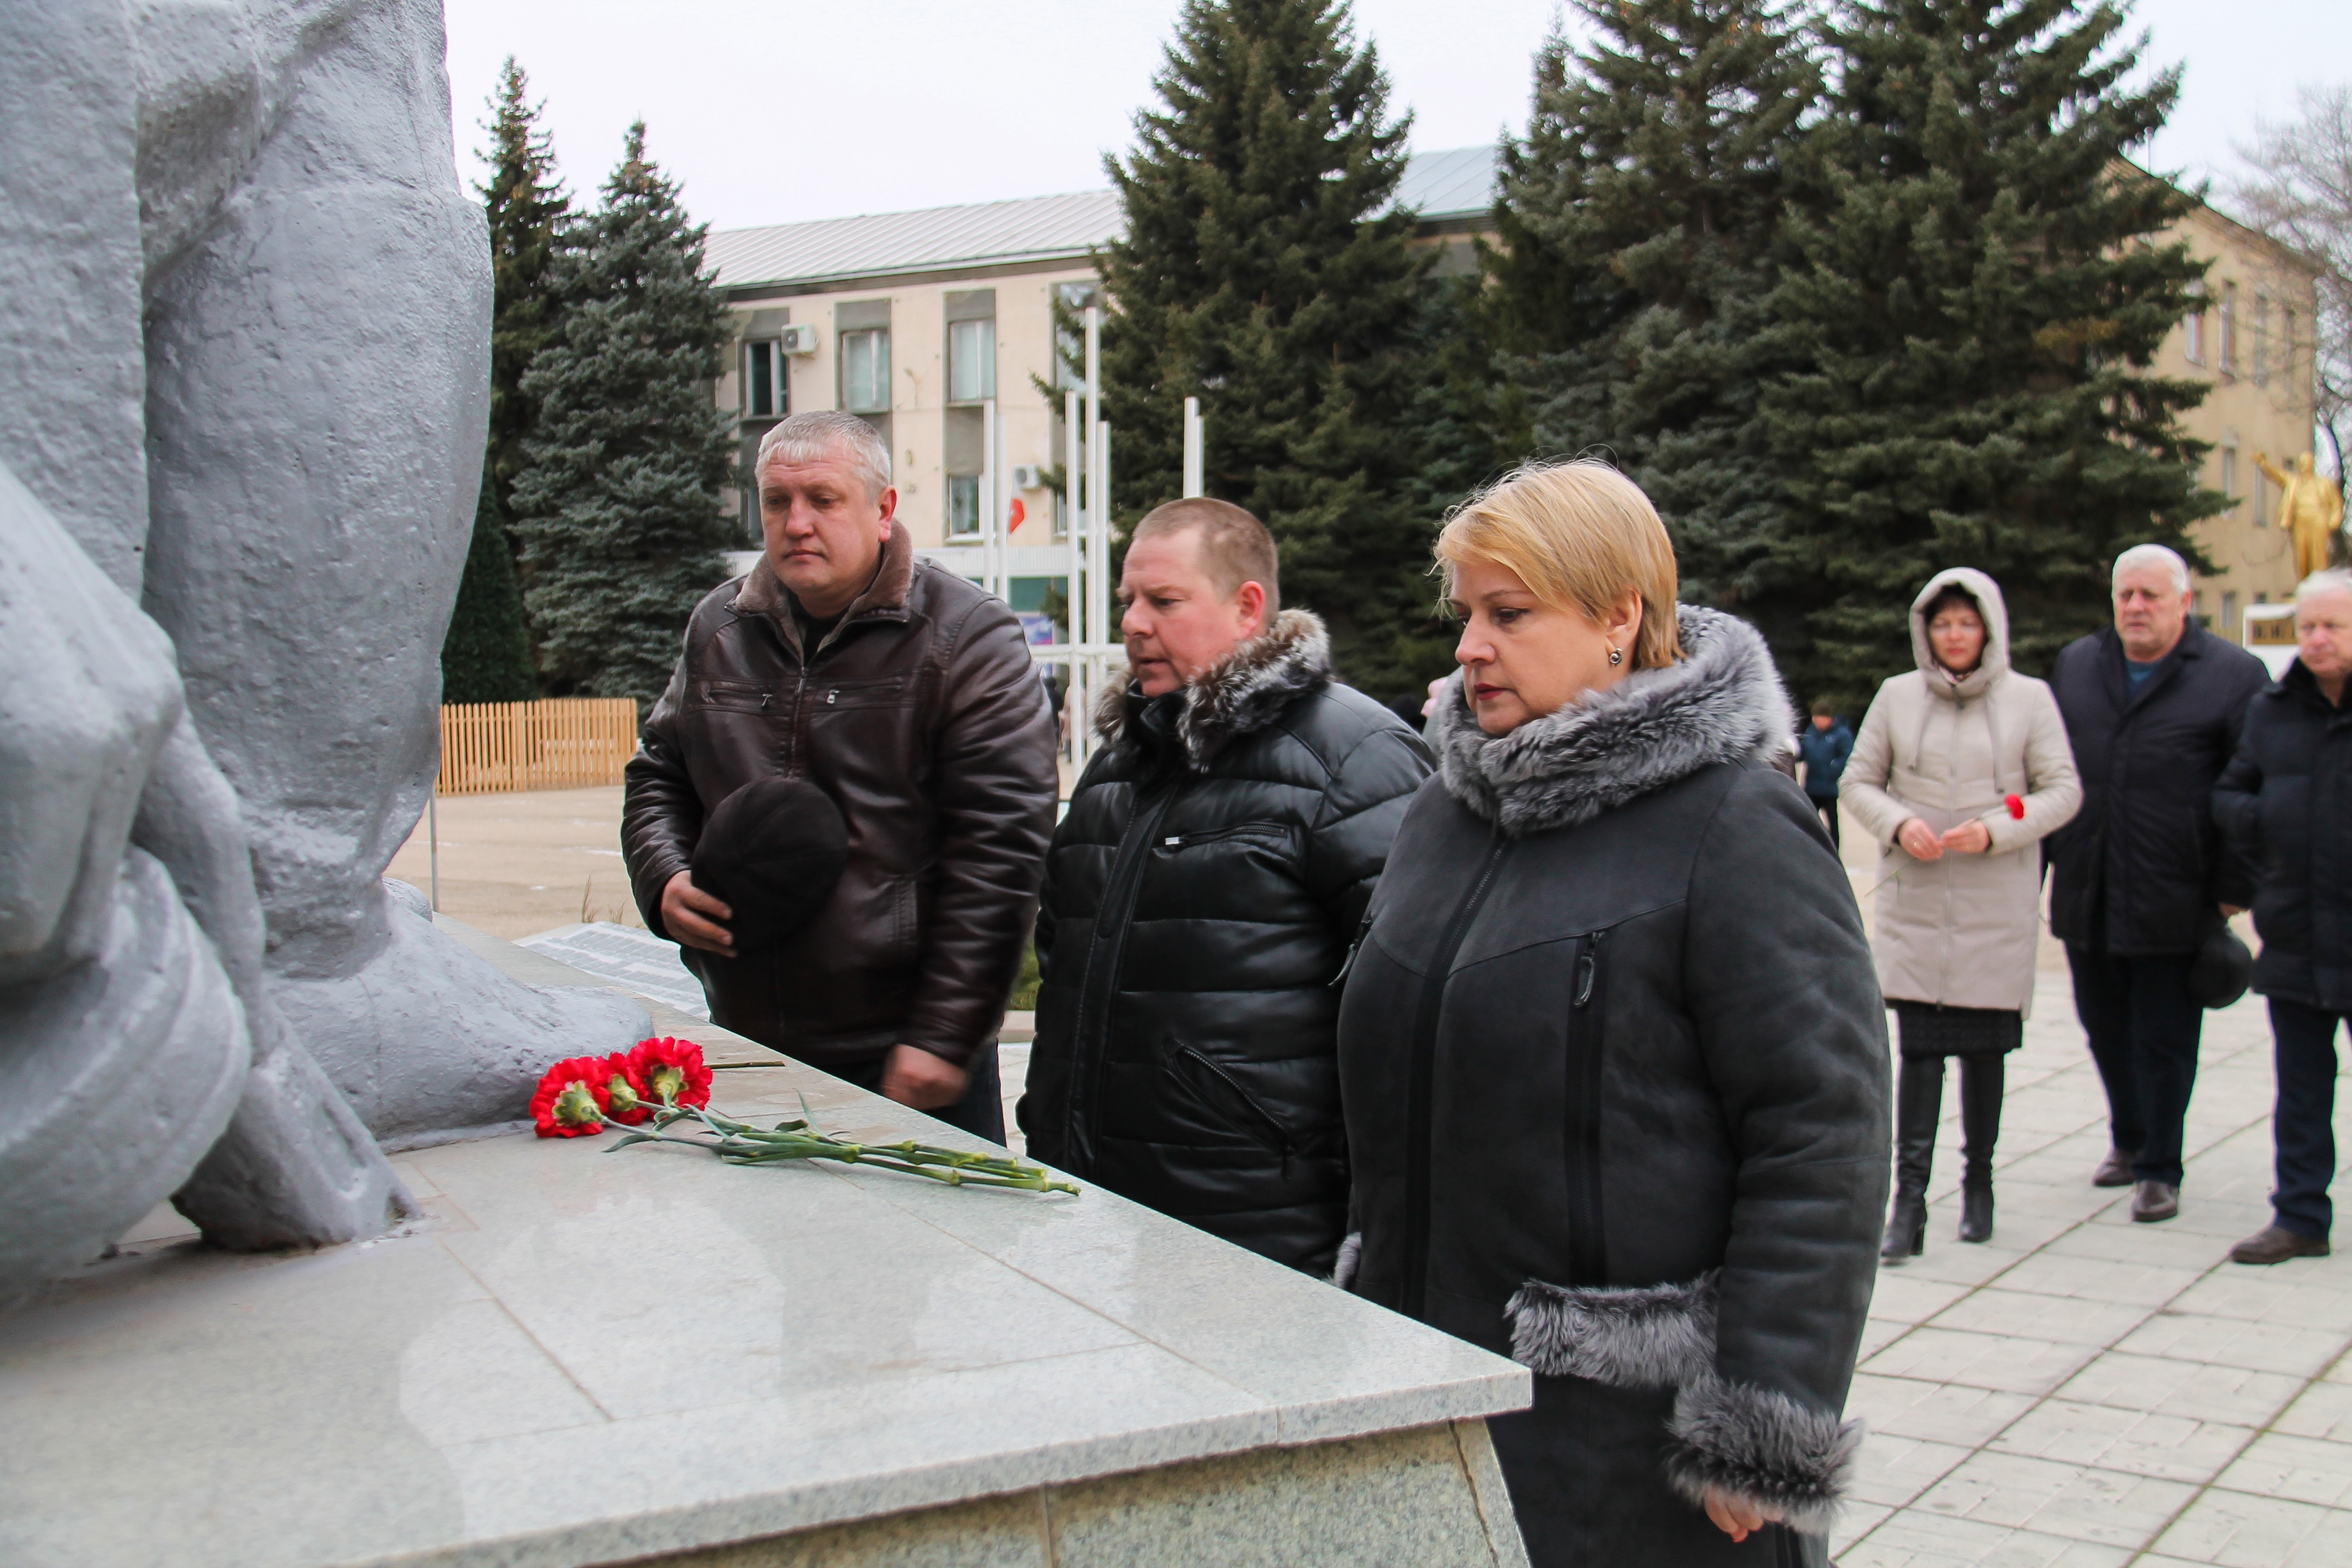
[(2232, 1529), (2205, 1393), (2137, 1442), (2106, 1507), (2233, 1341), (2307, 1469), (2010, 1363), (2067, 1320)]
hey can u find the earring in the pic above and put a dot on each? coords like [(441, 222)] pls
[(1616, 655)]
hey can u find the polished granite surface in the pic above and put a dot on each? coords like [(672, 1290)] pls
[(581, 1356)]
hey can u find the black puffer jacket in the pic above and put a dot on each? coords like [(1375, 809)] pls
[(1615, 1067), (1198, 900), (2140, 868), (2285, 802)]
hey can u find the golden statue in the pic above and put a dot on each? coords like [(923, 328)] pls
[(2311, 509)]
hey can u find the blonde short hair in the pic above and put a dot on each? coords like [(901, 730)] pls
[(1578, 534)]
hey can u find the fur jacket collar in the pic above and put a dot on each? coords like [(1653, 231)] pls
[(1722, 703), (1245, 691)]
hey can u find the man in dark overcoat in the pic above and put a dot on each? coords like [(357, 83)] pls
[(2141, 877)]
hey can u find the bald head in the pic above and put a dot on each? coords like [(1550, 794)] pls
[(1234, 547)]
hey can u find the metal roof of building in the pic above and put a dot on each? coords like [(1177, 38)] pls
[(1033, 229)]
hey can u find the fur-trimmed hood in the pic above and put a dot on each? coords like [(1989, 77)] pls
[(1722, 703), (1245, 691)]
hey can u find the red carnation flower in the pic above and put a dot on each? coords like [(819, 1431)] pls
[(671, 1071), (626, 1098), (572, 1101), (2016, 803)]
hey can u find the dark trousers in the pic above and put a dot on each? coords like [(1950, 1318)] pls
[(2305, 1120), (2144, 1027), (980, 1112), (1828, 808)]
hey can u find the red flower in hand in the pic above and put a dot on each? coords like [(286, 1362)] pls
[(572, 1101), (671, 1071), (2016, 803), (625, 1093)]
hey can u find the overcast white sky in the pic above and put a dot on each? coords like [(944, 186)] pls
[(778, 112)]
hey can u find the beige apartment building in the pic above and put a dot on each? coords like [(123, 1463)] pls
[(937, 326)]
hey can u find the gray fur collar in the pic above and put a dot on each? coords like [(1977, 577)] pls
[(1723, 703), (1245, 691)]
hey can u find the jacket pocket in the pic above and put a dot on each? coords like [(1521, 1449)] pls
[(1217, 1088), (732, 697), (1273, 835)]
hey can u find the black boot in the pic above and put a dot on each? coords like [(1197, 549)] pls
[(1981, 1092), (1918, 1105)]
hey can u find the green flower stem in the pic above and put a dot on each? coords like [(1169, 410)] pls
[(741, 1144)]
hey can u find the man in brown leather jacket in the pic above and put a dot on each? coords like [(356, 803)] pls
[(907, 695)]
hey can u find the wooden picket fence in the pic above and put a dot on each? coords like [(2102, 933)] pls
[(560, 744)]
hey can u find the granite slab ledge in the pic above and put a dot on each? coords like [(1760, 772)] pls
[(580, 1357)]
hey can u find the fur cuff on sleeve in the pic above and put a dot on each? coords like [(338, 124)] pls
[(1650, 1336), (1343, 1273), (1765, 1447)]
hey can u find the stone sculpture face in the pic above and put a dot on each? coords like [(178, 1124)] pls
[(244, 350)]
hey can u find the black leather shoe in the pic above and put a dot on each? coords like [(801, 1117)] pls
[(1976, 1213), (2154, 1201), (2276, 1244), (2114, 1171)]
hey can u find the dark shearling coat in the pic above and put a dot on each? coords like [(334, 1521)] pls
[(1615, 1067), (2140, 868), (1199, 900), (2285, 802)]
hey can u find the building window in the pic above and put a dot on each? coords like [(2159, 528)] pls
[(2261, 340), (1070, 339), (963, 506), (2228, 329), (2196, 609), (2192, 327), (2230, 615), (2287, 324), (2229, 476), (765, 391), (972, 361), (866, 371)]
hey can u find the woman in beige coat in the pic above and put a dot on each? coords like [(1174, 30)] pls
[(1942, 751)]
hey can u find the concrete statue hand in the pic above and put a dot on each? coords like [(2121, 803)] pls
[(244, 343), (2311, 509)]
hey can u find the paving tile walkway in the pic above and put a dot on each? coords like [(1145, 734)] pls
[(2084, 1392)]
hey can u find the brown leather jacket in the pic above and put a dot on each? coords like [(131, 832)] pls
[(922, 716)]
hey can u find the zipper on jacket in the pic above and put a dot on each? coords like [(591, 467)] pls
[(1421, 1071), (1277, 1137), (1099, 982), (1363, 929), (1587, 1253)]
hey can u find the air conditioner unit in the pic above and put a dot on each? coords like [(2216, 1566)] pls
[(1028, 476), (798, 340)]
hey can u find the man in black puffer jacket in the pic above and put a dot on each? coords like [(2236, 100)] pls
[(1200, 896)]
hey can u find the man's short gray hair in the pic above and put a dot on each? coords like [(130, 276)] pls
[(2152, 555), (812, 437), (2332, 580)]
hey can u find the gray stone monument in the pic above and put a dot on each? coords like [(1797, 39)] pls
[(244, 347)]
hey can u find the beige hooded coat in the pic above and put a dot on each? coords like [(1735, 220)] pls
[(1961, 931)]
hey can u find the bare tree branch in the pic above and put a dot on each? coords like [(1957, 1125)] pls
[(2300, 193)]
